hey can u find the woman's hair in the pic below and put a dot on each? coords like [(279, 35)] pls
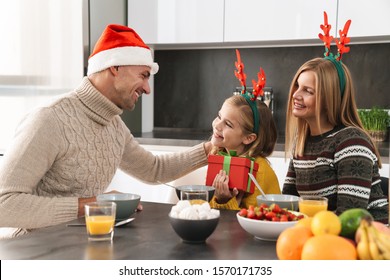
[(340, 110), (266, 138)]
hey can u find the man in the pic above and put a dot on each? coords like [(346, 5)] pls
[(66, 153)]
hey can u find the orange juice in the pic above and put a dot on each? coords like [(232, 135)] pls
[(311, 205), (99, 224)]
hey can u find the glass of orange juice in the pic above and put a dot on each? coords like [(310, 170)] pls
[(310, 205), (99, 220)]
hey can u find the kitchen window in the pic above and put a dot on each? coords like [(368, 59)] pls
[(41, 55)]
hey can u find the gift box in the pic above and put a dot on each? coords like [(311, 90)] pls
[(236, 167)]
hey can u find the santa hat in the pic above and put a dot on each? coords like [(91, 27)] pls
[(120, 45)]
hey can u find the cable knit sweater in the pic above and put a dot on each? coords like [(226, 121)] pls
[(342, 166), (72, 148)]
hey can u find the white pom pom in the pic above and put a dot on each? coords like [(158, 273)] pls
[(205, 206)]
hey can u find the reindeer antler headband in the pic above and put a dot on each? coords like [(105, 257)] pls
[(257, 89), (341, 48)]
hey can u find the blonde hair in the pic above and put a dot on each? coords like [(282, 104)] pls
[(266, 138), (340, 111)]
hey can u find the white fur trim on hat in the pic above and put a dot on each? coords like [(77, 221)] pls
[(121, 56)]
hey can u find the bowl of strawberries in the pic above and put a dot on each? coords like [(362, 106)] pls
[(266, 222)]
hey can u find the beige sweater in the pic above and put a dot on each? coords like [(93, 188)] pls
[(70, 149)]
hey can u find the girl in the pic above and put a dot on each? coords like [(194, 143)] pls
[(235, 129)]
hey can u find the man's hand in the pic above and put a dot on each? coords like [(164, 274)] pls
[(82, 202)]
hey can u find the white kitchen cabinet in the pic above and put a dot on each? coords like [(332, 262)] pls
[(177, 21), (369, 18), (276, 20)]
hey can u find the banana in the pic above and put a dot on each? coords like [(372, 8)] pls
[(384, 239), (362, 248), (383, 243), (372, 243), (386, 256)]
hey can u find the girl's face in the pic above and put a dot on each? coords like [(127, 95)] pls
[(227, 131), (304, 98)]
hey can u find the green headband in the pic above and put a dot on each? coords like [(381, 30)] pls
[(252, 103), (257, 90), (340, 72), (341, 48)]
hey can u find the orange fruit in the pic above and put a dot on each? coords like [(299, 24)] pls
[(325, 222), (290, 242), (305, 222), (328, 247)]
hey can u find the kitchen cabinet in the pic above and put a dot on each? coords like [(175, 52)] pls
[(369, 18), (176, 21), (276, 20)]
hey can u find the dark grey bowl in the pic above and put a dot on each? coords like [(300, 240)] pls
[(126, 203), (194, 231), (210, 189)]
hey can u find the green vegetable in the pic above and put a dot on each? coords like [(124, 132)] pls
[(375, 119)]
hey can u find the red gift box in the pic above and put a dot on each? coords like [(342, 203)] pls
[(236, 167)]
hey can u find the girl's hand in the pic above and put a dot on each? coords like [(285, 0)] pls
[(222, 192)]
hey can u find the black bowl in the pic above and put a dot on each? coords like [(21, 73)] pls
[(210, 189), (194, 231)]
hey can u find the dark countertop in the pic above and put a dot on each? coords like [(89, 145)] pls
[(149, 237)]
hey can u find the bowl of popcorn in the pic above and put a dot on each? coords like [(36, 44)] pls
[(194, 223)]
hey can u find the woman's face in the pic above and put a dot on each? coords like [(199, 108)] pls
[(304, 97), (227, 130)]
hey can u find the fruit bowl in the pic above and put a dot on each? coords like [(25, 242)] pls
[(263, 229)]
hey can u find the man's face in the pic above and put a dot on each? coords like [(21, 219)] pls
[(130, 83)]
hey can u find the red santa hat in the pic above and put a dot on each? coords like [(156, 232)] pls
[(120, 45)]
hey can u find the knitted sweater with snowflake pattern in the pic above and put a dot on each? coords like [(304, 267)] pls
[(342, 166)]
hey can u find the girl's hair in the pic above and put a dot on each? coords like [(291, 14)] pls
[(340, 111), (266, 138)]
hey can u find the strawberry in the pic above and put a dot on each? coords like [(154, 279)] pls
[(270, 215), (283, 218), (276, 219), (243, 212), (275, 208), (263, 206), (260, 215), (251, 214)]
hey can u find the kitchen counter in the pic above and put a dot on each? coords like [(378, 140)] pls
[(149, 237)]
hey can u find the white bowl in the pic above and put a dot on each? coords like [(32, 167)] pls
[(263, 229)]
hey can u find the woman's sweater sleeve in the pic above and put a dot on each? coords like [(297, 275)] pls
[(354, 161), (289, 186)]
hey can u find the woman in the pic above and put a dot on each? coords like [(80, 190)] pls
[(332, 155)]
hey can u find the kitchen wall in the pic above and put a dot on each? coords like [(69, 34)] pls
[(192, 84)]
